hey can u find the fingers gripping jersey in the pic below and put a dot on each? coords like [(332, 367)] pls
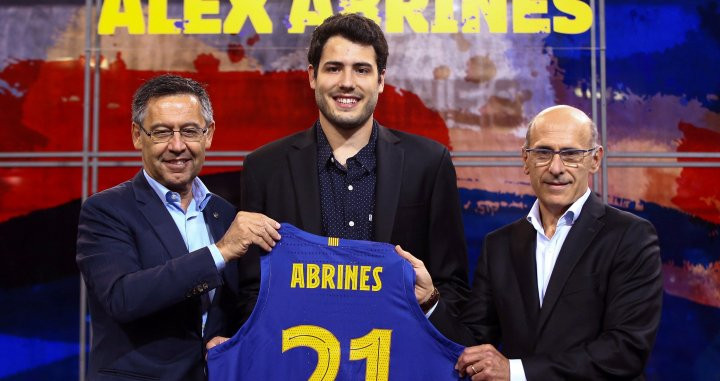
[(334, 309)]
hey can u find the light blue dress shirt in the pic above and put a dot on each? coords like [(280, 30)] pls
[(191, 224)]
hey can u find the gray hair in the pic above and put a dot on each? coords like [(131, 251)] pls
[(169, 84)]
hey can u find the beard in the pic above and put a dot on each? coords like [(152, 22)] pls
[(341, 120)]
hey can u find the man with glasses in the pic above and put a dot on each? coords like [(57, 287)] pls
[(159, 253), (571, 291)]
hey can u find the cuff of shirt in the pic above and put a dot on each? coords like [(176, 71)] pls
[(517, 372), (430, 311), (217, 257)]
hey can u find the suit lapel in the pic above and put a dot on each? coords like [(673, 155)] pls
[(389, 178), (522, 252), (577, 241), (159, 218), (303, 169), (213, 219)]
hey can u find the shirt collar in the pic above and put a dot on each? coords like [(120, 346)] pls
[(200, 192), (568, 218), (324, 150), (366, 155)]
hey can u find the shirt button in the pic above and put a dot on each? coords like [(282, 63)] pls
[(332, 159), (350, 187), (351, 223)]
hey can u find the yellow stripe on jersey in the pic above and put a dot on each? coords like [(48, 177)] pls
[(333, 241)]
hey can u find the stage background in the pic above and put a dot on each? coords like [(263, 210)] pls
[(65, 112)]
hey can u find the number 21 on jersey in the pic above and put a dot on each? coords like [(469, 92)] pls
[(373, 347)]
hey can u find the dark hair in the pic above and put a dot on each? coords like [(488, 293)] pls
[(169, 84), (354, 27)]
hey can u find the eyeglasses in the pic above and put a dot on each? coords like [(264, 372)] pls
[(569, 157), (163, 135)]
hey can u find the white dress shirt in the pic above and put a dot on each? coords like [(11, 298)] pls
[(546, 253)]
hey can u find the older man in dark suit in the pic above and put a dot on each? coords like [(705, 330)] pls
[(573, 291), (159, 252)]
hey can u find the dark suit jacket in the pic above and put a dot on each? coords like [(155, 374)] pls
[(601, 310), (144, 286), (417, 204)]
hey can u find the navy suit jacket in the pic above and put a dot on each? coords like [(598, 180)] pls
[(144, 287)]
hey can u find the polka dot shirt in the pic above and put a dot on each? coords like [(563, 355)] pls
[(347, 194)]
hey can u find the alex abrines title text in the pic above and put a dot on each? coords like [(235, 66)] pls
[(203, 16)]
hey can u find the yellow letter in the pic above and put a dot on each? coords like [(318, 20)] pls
[(328, 272), (523, 24), (351, 277), (111, 17), (244, 9), (582, 13), (301, 16), (493, 11), (340, 277), (297, 279), (364, 277), (194, 21), (444, 17), (313, 275), (158, 23), (398, 10), (369, 8), (376, 276)]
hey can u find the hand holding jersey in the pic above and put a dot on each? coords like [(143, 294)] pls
[(248, 229), (423, 282), (483, 362)]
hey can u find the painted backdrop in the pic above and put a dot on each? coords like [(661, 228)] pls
[(472, 90)]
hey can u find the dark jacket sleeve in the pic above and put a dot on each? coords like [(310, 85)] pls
[(447, 251), (118, 274), (478, 322), (249, 265)]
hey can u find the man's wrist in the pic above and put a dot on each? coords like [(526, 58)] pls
[(217, 257), (432, 300)]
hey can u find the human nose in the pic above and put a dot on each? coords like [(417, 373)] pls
[(556, 164), (176, 142), (346, 79)]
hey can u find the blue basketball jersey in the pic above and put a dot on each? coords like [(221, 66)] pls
[(334, 309)]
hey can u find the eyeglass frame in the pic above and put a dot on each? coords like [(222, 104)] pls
[(150, 134), (585, 153)]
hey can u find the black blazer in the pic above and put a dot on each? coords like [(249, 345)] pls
[(416, 199), (601, 310), (144, 286)]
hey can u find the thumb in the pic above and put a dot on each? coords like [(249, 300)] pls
[(215, 341), (407, 256)]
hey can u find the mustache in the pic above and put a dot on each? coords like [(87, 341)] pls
[(346, 94)]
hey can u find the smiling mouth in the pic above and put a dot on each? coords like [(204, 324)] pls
[(346, 102), (176, 163)]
